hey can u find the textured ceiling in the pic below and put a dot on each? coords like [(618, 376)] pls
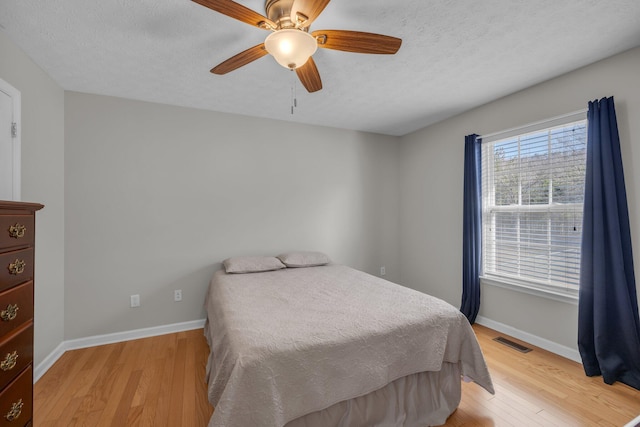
[(455, 54)]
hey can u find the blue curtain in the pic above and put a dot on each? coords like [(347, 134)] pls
[(471, 229), (608, 325)]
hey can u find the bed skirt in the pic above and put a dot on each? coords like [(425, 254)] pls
[(418, 400)]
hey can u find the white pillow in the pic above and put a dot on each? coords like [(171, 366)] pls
[(304, 259), (252, 264)]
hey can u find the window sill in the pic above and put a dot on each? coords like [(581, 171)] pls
[(569, 298)]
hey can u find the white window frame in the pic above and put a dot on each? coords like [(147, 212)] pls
[(516, 283)]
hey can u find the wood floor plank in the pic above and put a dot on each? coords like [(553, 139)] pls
[(178, 384), (121, 415), (163, 407), (160, 381), (149, 402), (189, 385)]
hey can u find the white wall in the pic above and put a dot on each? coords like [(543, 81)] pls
[(42, 179), (157, 196), (431, 182)]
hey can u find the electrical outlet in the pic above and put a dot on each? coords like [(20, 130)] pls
[(177, 295), (383, 271), (135, 300)]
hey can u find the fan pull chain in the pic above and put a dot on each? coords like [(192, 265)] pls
[(294, 99)]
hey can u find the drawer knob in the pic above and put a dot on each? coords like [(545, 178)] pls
[(9, 361), (16, 410), (9, 313), (17, 267), (16, 231)]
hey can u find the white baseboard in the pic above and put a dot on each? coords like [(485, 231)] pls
[(96, 340), (48, 361), (634, 422), (543, 343)]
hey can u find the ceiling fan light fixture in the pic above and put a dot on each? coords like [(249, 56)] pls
[(291, 47)]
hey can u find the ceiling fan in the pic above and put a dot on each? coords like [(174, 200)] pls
[(290, 42)]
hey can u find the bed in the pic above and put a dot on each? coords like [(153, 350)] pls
[(329, 345)]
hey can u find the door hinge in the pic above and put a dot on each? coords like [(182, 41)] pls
[(14, 130)]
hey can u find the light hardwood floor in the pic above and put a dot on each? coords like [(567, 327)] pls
[(159, 381), (156, 381)]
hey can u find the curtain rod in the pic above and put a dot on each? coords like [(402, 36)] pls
[(541, 122)]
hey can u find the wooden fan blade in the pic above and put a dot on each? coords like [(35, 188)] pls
[(237, 11), (306, 11), (356, 41), (243, 58), (309, 76)]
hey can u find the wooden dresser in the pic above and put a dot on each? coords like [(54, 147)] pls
[(17, 238)]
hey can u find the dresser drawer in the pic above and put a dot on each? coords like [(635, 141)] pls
[(16, 267), (16, 231), (16, 405), (16, 307), (16, 352)]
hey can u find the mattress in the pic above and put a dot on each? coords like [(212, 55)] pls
[(294, 344)]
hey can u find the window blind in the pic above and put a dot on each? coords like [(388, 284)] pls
[(533, 191)]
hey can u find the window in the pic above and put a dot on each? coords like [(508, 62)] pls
[(533, 191)]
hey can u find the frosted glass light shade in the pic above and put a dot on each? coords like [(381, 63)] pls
[(291, 48)]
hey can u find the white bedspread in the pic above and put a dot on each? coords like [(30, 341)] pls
[(290, 342)]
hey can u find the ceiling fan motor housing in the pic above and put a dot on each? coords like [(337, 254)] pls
[(279, 11)]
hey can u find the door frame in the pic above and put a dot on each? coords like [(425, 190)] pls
[(17, 140)]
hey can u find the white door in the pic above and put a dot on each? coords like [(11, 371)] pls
[(9, 142)]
